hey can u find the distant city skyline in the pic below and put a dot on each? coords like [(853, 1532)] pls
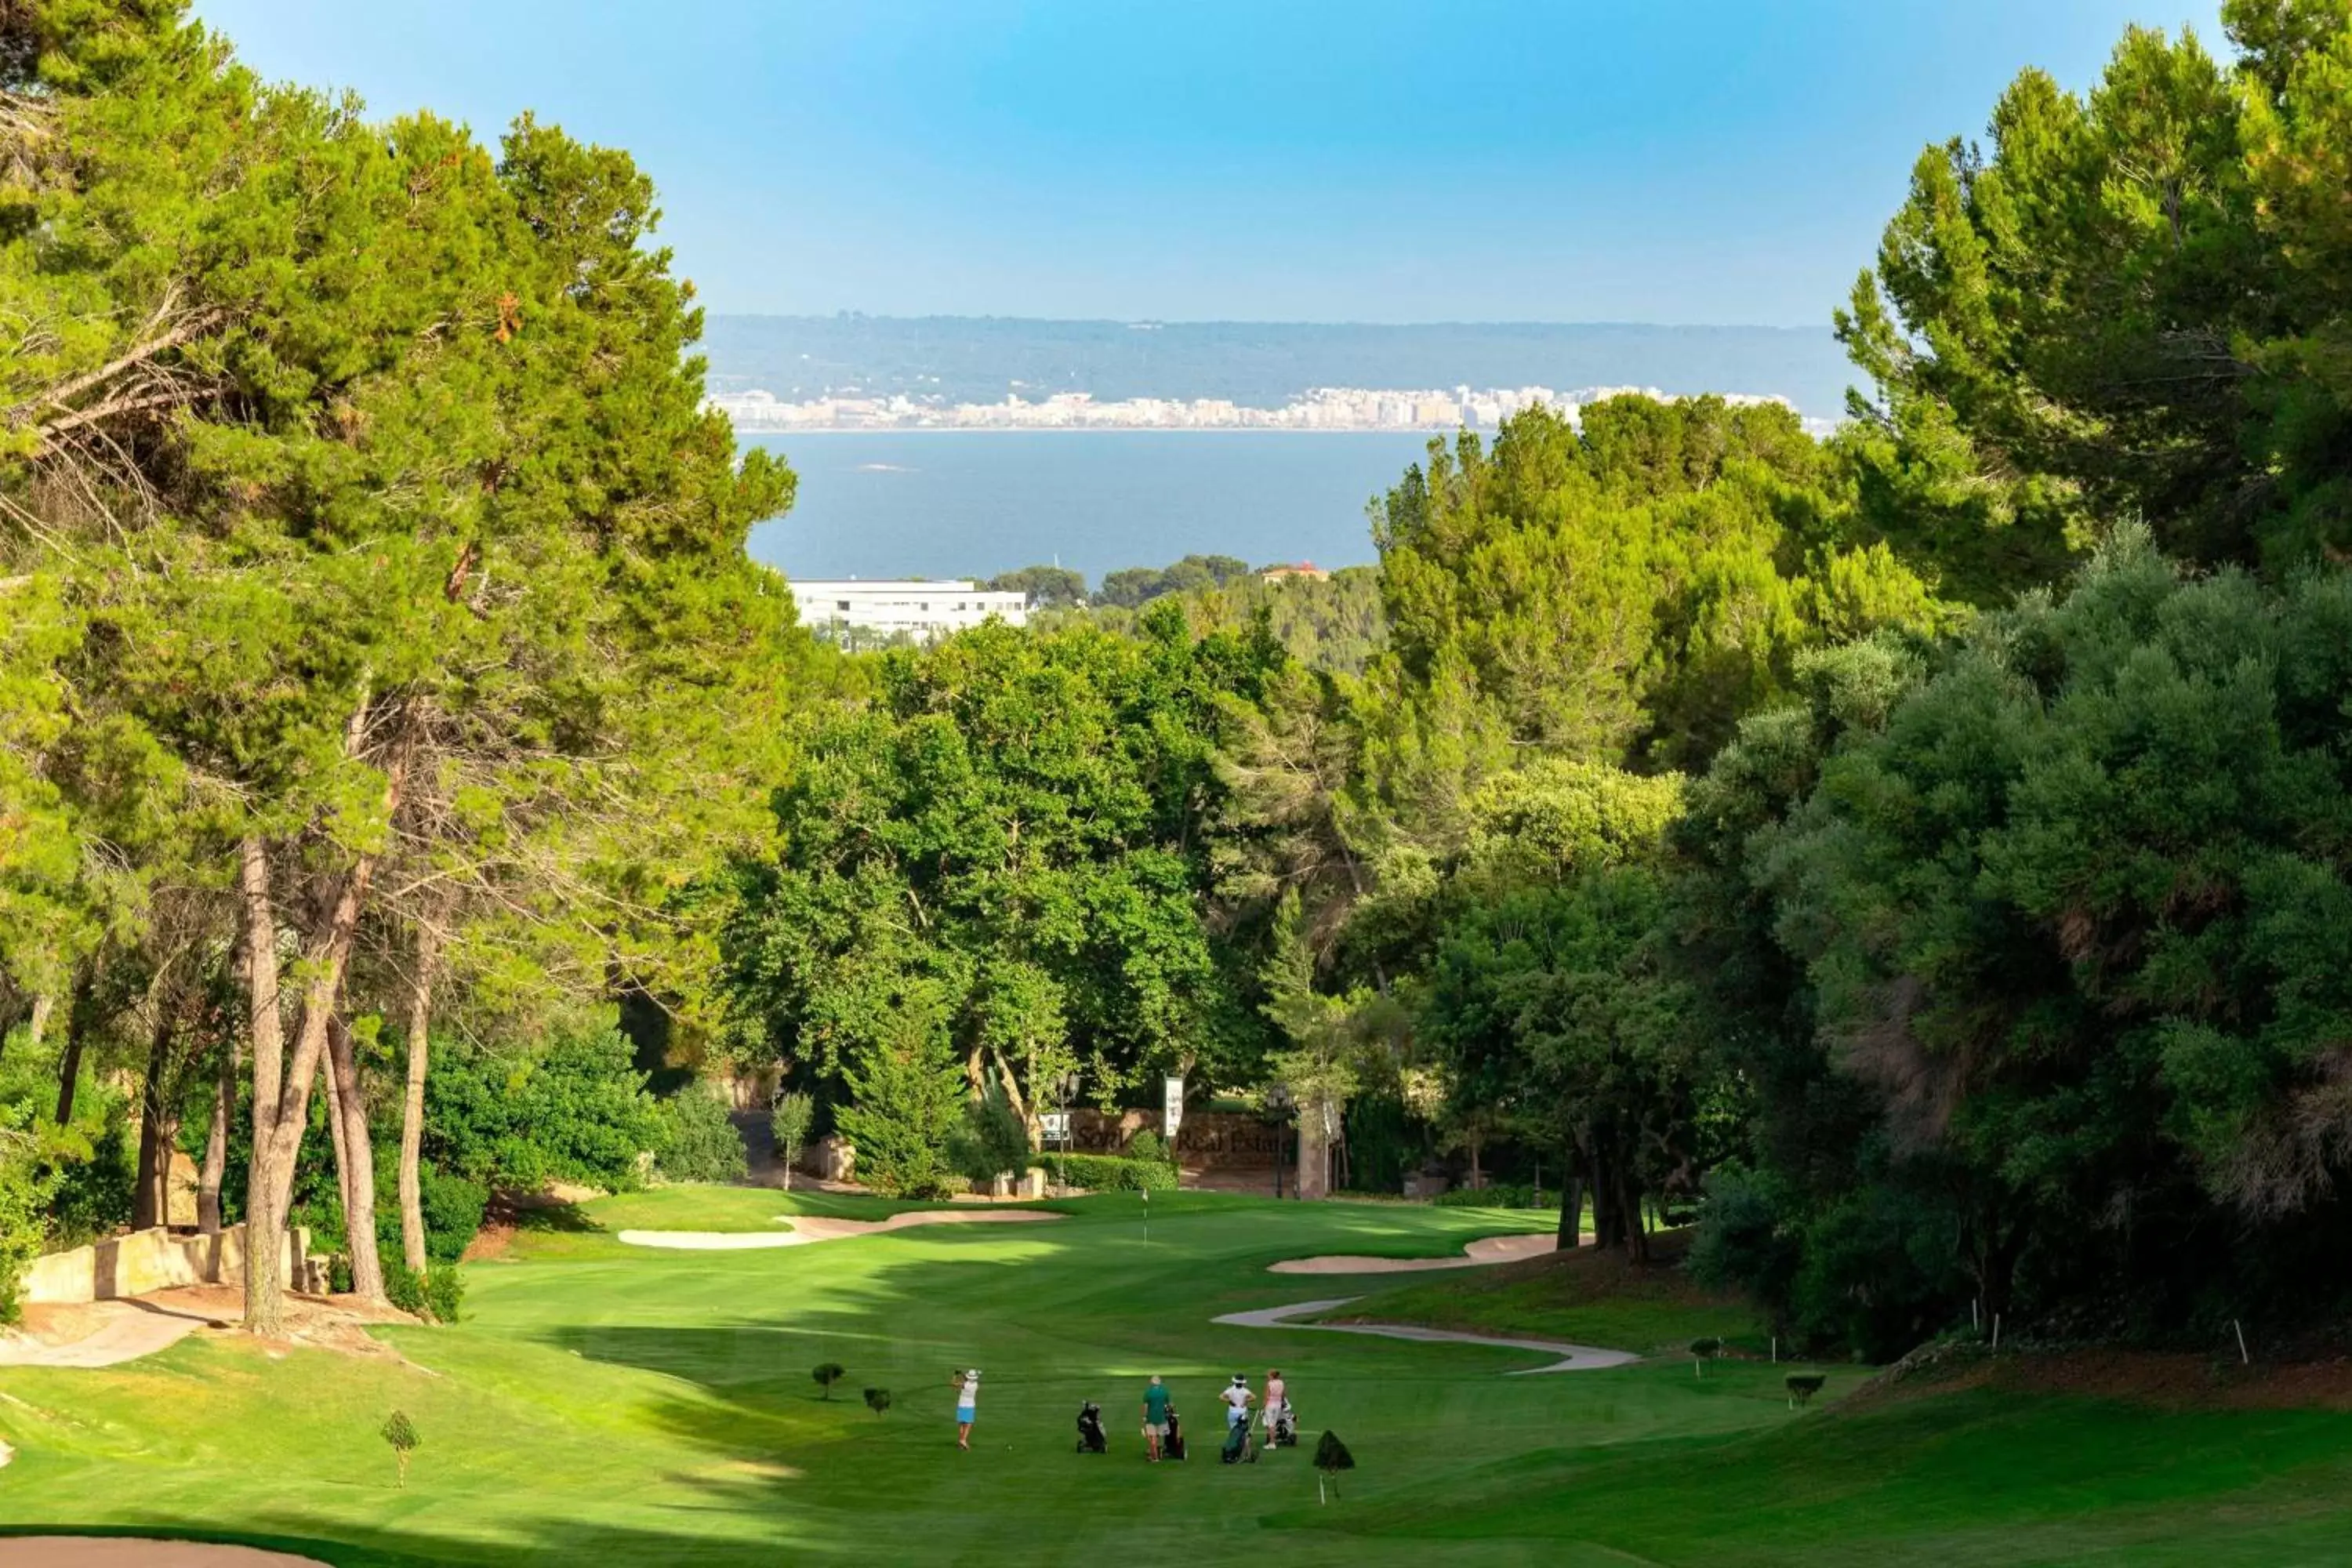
[(1323, 408), (1369, 161)]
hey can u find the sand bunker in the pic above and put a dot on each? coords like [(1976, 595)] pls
[(123, 1551), (808, 1229), (1572, 1357), (1482, 1253)]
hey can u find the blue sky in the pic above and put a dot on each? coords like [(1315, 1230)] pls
[(1671, 161)]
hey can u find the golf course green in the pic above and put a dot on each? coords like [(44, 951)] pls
[(609, 1403)]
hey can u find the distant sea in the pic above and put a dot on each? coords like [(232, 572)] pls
[(948, 503)]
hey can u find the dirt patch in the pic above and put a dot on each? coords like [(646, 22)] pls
[(808, 1229), (489, 1242), (108, 1333), (1486, 1252), (2163, 1380), (125, 1552)]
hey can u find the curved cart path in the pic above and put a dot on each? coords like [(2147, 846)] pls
[(1482, 1253), (809, 1230), (1572, 1358), (125, 1331)]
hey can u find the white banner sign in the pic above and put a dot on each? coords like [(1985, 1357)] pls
[(1175, 1117)]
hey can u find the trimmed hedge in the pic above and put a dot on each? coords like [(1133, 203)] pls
[(1501, 1196), (1109, 1173)]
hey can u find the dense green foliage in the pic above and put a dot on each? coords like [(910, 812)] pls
[(694, 1141), (1922, 853), (1333, 623), (997, 868), (2070, 916), (576, 1111), (2133, 304), (376, 603), (993, 1141)]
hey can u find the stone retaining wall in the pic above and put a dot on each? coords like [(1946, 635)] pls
[(144, 1261)]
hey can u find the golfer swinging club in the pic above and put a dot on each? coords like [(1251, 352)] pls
[(967, 1387)]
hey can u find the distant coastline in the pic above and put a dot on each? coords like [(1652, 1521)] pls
[(1354, 410)]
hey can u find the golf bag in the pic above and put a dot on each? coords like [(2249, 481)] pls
[(1091, 1429), (1172, 1445), (1239, 1449), (1281, 1427)]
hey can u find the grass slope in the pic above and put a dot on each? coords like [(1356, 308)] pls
[(609, 1403), (1583, 1297)]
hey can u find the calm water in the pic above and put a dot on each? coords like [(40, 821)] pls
[(970, 503)]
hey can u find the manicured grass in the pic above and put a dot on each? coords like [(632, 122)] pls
[(1582, 1297), (622, 1405)]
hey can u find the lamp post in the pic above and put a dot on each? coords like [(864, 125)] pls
[(1278, 1100)]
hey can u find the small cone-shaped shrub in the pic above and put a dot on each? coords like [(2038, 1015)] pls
[(827, 1374), (877, 1400), (1803, 1386), (1703, 1352), (1331, 1457)]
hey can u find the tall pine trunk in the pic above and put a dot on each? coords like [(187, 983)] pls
[(1571, 1215), (78, 1026), (264, 1289), (281, 1087), (216, 1165), (159, 1127), (411, 1104), (356, 1155)]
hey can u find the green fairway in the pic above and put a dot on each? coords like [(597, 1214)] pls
[(605, 1404)]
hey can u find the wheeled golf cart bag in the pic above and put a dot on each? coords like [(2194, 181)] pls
[(1281, 1428), (1237, 1449), (1172, 1446), (1091, 1429)]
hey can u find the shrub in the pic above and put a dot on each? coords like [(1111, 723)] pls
[(1703, 1352), (1803, 1386), (991, 1140), (437, 1295), (906, 1095), (445, 1294), (1331, 1457), (401, 1433), (696, 1142), (577, 1111), (1501, 1196), (1110, 1172), (1147, 1145), (827, 1374), (453, 1208), (21, 1195), (877, 1400), (90, 1198)]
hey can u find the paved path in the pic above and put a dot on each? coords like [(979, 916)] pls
[(1572, 1358), (808, 1229), (126, 1331)]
